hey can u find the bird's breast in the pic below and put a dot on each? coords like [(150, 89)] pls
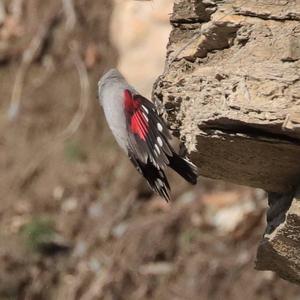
[(113, 108)]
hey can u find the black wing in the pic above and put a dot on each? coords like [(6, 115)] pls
[(149, 148)]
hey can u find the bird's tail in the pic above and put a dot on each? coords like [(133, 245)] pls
[(184, 167), (155, 177)]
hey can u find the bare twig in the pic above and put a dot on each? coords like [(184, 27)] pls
[(28, 57), (16, 93), (74, 124), (84, 95), (2, 13), (69, 10), (16, 7)]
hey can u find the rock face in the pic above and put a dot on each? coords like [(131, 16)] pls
[(231, 89), (279, 251)]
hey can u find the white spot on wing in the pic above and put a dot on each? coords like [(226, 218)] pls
[(160, 142), (154, 162), (159, 127), (145, 109), (160, 183), (157, 148), (145, 116)]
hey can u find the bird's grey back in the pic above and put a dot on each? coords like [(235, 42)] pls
[(111, 89)]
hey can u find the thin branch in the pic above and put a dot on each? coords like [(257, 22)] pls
[(69, 10), (15, 101), (16, 7), (2, 13), (84, 95), (74, 124), (28, 57)]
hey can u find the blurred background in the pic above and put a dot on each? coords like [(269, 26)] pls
[(77, 221)]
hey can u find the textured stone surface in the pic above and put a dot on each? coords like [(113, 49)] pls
[(233, 94), (231, 89), (280, 250)]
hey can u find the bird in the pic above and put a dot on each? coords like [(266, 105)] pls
[(142, 133)]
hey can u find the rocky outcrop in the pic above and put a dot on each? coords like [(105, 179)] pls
[(279, 250), (231, 89)]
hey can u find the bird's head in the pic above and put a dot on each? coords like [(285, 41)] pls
[(110, 78)]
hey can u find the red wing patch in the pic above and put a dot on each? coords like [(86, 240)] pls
[(137, 121)]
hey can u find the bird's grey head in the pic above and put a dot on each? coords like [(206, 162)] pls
[(109, 76), (111, 79)]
